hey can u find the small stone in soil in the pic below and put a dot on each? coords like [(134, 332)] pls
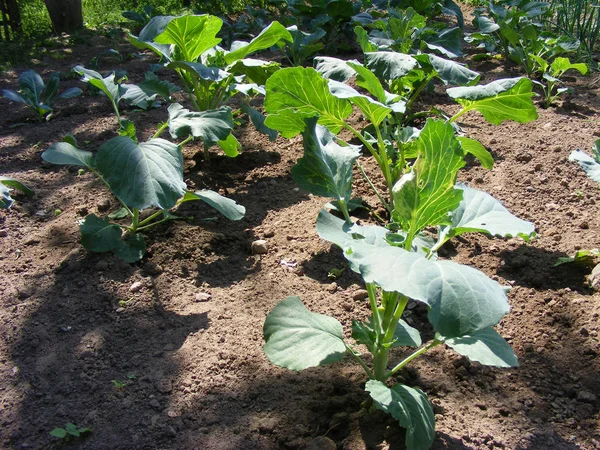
[(135, 287), (586, 397), (3, 233), (260, 247), (361, 294), (103, 205), (203, 297)]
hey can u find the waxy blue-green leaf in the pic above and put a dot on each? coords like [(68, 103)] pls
[(191, 34), (113, 90), (334, 68), (155, 27), (590, 165), (212, 126), (374, 111), (410, 407), (258, 120), (99, 235), (131, 249), (6, 183), (426, 195), (326, 167), (447, 42), (295, 94), (200, 71), (297, 338), (449, 72), (142, 175), (500, 100), (390, 65), (479, 212), (267, 38), (486, 347), (226, 206), (66, 153), (476, 149), (461, 299)]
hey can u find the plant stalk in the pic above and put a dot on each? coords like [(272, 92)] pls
[(412, 356)]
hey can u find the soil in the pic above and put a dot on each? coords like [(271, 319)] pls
[(167, 353)]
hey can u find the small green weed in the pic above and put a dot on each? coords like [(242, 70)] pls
[(69, 431)]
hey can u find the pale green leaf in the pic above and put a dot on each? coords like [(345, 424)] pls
[(212, 126), (389, 65), (486, 347), (500, 100), (296, 338), (587, 163), (295, 94), (66, 153), (410, 407), (426, 195), (226, 206), (476, 149), (191, 34)]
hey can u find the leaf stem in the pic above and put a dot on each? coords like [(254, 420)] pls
[(162, 128), (412, 356), (366, 177), (359, 360)]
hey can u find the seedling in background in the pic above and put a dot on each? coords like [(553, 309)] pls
[(6, 185), (141, 176), (69, 431), (37, 96), (552, 73)]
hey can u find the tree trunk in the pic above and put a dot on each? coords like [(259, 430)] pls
[(11, 19), (66, 15)]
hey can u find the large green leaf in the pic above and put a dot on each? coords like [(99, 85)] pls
[(389, 65), (68, 154), (447, 42), (99, 235), (212, 126), (426, 195), (500, 100), (334, 68), (295, 94), (450, 72), (461, 299), (267, 38), (31, 81), (410, 407), (142, 175), (587, 163), (486, 347), (229, 208), (191, 34), (296, 338), (326, 167), (255, 70), (113, 90), (479, 212)]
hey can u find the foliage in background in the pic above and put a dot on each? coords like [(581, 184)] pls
[(579, 19)]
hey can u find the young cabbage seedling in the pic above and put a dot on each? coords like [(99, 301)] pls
[(69, 431), (37, 96), (552, 73), (141, 176)]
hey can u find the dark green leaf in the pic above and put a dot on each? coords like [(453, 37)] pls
[(212, 126), (99, 235), (390, 65), (142, 175), (131, 249), (258, 120)]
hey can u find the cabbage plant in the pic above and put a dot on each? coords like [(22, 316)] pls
[(397, 259), (38, 96)]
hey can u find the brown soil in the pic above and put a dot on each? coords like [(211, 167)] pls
[(195, 373)]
